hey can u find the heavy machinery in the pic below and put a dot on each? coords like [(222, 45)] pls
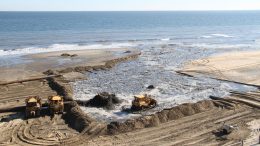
[(56, 105), (227, 129), (143, 102), (33, 106)]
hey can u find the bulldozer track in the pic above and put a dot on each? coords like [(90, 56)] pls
[(35, 132)]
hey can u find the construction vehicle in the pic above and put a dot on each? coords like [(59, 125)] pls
[(33, 106), (56, 105), (227, 129), (143, 102)]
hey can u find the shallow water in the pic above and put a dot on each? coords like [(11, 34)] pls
[(156, 66)]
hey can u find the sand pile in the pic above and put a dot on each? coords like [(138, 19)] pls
[(102, 100), (160, 117), (76, 118)]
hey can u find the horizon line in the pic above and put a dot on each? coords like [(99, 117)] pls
[(119, 10)]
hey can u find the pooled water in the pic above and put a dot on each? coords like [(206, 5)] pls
[(156, 66)]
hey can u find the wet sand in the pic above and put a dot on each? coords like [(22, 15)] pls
[(242, 67), (37, 64)]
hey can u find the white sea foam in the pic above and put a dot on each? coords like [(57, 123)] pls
[(219, 46), (62, 47), (206, 36), (222, 35), (216, 35), (165, 39)]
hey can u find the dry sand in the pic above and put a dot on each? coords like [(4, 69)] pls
[(241, 67)]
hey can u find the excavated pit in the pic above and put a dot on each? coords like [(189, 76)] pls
[(75, 127)]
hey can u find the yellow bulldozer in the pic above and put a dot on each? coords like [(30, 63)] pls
[(56, 105), (33, 106), (143, 102)]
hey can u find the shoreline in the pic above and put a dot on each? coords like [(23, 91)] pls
[(43, 62)]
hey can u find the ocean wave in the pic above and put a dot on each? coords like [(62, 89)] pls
[(222, 35), (219, 46), (206, 36), (62, 47), (165, 39), (216, 35)]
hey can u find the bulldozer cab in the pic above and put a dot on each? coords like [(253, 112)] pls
[(33, 106), (55, 99), (33, 101), (56, 105), (140, 97), (141, 102)]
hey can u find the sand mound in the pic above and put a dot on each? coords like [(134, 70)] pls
[(76, 118), (160, 117), (102, 100)]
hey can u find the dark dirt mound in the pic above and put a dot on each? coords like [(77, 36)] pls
[(165, 115), (151, 87), (76, 118), (102, 100), (68, 55), (61, 87)]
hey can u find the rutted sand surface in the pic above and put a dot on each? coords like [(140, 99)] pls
[(15, 94), (188, 124), (197, 129)]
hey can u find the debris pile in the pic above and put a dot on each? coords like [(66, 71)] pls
[(102, 100), (68, 55)]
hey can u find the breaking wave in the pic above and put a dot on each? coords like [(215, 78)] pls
[(62, 47), (216, 35), (220, 46), (165, 39), (222, 35)]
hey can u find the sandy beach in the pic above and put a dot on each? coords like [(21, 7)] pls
[(185, 124), (37, 64), (241, 66)]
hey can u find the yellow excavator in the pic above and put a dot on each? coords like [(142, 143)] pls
[(56, 105), (143, 102), (33, 106)]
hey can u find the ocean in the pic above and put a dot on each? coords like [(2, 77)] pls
[(167, 41), (51, 31)]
